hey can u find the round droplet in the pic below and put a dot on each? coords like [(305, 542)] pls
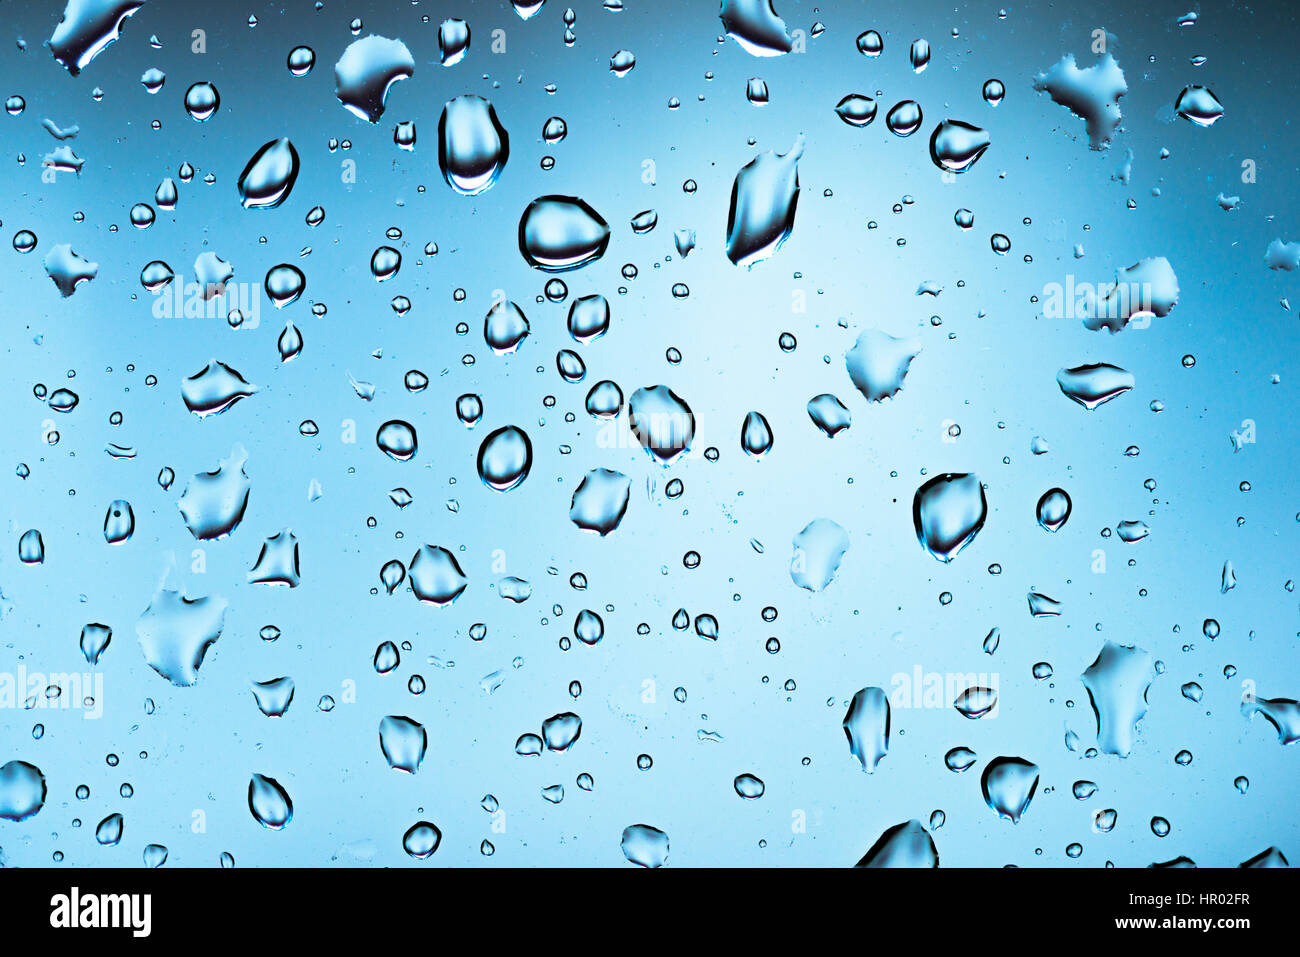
[(505, 458)]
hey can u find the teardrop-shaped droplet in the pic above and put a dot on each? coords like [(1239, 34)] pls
[(904, 118), (269, 802), (1008, 785), (956, 146), (756, 435), (269, 176)]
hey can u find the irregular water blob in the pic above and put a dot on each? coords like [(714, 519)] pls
[(1199, 105), (948, 512), (818, 550), (67, 269), (175, 633), (403, 742), (662, 422), (559, 233), (95, 638), (755, 25), (749, 786), (764, 197), (829, 414), (1148, 288), (904, 845), (366, 72), (600, 501), (1092, 94), (86, 28), (214, 389), (878, 363), (273, 697), (505, 458), (560, 731), (277, 561), (435, 575), (1094, 385), (453, 41), (622, 62), (1131, 531), (473, 146), (1282, 713), (1008, 785), (214, 502), (269, 175), (866, 725), (1117, 684)]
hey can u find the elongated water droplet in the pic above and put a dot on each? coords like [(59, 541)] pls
[(473, 146), (764, 197)]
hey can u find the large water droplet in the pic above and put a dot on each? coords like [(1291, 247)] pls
[(662, 422), (176, 632), (948, 512), (505, 458), (367, 70), (763, 201), (558, 233), (1008, 785), (866, 724), (269, 176), (269, 802), (473, 146)]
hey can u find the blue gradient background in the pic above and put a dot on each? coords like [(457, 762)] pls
[(990, 367)]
